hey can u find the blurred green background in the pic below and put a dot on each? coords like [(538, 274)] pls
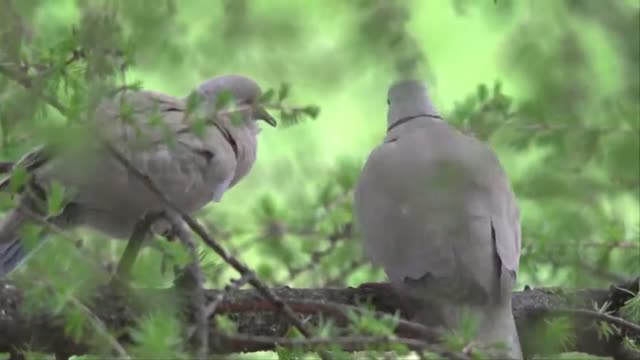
[(568, 136), (552, 85)]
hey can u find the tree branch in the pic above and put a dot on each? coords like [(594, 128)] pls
[(629, 326), (257, 318)]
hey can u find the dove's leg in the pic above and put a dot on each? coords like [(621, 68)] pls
[(171, 227), (189, 277), (138, 236), (164, 228)]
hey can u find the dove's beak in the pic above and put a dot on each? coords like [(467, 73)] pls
[(262, 114)]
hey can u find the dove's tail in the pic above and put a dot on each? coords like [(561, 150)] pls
[(514, 343), (12, 249), (12, 253), (498, 327)]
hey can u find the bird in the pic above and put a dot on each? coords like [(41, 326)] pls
[(437, 212), (192, 149)]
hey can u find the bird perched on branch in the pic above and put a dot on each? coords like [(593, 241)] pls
[(437, 212), (192, 149)]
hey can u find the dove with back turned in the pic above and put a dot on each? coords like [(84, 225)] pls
[(157, 134), (437, 212)]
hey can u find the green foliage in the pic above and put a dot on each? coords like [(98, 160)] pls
[(193, 101), (76, 323), (33, 355), (631, 308), (158, 335), (555, 336), (6, 201), (30, 236), (630, 344), (19, 177), (55, 198), (561, 111), (224, 99), (225, 324), (367, 323), (289, 354), (571, 356)]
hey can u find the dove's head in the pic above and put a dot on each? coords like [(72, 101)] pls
[(235, 91), (408, 98)]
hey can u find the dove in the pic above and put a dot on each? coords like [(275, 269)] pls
[(437, 212), (192, 156)]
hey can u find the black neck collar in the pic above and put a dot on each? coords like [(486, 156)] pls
[(227, 136), (409, 118)]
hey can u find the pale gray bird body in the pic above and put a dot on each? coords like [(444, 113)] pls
[(437, 212), (156, 135)]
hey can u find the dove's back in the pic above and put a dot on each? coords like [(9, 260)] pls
[(427, 200)]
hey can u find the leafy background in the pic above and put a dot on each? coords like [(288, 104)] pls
[(552, 85)]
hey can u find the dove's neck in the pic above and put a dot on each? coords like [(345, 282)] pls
[(245, 137), (409, 101), (421, 119)]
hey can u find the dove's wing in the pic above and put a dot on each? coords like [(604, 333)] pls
[(427, 202), (153, 133)]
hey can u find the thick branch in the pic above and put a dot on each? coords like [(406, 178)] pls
[(259, 317)]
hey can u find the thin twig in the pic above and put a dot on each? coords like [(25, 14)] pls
[(28, 83), (235, 285), (601, 273), (345, 231), (596, 271), (213, 306), (339, 234), (202, 324), (76, 55), (102, 329), (97, 323), (628, 325)]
